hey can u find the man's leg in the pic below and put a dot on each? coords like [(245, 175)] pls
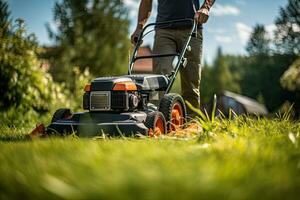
[(191, 74), (164, 43)]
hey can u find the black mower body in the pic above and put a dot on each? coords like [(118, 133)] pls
[(128, 104), (113, 112)]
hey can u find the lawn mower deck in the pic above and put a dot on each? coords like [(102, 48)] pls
[(130, 104), (86, 124)]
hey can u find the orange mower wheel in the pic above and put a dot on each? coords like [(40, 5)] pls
[(173, 107), (156, 124), (177, 117)]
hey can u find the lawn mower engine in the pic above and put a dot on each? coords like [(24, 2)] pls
[(121, 94), (111, 94)]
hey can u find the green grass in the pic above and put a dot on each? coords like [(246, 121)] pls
[(239, 159)]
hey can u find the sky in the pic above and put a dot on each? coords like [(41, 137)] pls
[(229, 26)]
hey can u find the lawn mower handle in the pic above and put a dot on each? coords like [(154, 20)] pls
[(181, 58)]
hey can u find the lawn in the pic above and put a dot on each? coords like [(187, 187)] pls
[(239, 159)]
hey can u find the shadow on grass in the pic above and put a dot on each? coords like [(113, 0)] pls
[(14, 134), (14, 138)]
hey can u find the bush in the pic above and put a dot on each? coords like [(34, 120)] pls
[(26, 88), (290, 79)]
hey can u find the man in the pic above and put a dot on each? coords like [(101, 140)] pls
[(171, 40)]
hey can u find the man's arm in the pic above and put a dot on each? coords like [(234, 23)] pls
[(208, 4), (202, 14), (144, 13)]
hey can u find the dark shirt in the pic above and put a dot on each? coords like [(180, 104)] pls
[(179, 9), (176, 9)]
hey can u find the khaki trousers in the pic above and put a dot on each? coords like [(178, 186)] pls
[(172, 41)]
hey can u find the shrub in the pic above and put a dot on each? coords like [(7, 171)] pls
[(25, 87)]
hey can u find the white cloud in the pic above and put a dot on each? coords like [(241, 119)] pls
[(54, 25), (221, 10), (89, 5), (130, 3), (132, 6), (270, 30), (244, 32), (223, 39), (216, 30), (296, 27)]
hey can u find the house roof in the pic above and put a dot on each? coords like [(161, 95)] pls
[(144, 65)]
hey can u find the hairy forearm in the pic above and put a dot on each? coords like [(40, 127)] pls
[(144, 12), (208, 4)]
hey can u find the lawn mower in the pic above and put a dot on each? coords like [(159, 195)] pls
[(130, 104)]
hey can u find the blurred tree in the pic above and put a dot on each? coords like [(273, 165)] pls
[(254, 78), (259, 43), (207, 84), (291, 77), (287, 34), (291, 81), (287, 39), (4, 18), (219, 76), (90, 34), (223, 76), (263, 70), (261, 77), (24, 85)]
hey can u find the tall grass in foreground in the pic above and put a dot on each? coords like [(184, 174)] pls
[(242, 158), (237, 158)]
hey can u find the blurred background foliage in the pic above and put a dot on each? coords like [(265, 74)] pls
[(90, 34), (291, 78), (27, 88), (92, 40), (259, 74)]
